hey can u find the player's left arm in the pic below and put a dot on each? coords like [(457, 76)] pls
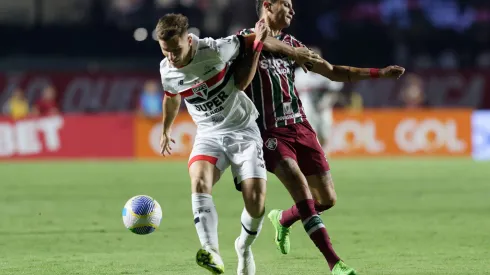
[(351, 74)]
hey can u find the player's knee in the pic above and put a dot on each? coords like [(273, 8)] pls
[(201, 185), (255, 210), (329, 200)]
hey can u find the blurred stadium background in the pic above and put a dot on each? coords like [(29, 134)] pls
[(80, 100)]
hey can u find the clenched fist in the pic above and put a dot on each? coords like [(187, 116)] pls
[(392, 72)]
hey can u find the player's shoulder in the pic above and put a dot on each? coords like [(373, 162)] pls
[(292, 40), (164, 67)]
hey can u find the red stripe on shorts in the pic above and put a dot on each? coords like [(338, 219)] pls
[(209, 159)]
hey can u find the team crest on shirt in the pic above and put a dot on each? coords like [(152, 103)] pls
[(271, 143), (201, 90), (287, 108)]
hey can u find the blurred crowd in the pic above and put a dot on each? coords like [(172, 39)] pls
[(18, 106), (413, 33)]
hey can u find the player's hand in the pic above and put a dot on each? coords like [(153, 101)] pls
[(261, 30), (392, 72), (165, 141), (305, 58)]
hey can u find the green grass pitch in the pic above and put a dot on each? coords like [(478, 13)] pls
[(397, 216)]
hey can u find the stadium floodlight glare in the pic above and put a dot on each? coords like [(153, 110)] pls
[(140, 34)]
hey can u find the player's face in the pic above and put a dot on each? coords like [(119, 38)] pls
[(176, 49), (282, 12)]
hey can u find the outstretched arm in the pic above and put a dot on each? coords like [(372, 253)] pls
[(246, 66), (300, 55), (351, 74)]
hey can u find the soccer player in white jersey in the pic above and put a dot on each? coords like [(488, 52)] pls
[(318, 95), (201, 72)]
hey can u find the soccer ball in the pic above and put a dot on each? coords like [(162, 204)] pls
[(142, 214)]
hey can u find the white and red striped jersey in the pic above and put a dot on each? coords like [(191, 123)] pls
[(208, 86)]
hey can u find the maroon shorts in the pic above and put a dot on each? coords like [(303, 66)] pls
[(297, 141)]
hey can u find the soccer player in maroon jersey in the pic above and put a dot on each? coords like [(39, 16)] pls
[(291, 148)]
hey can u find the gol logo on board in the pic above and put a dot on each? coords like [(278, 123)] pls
[(428, 135)]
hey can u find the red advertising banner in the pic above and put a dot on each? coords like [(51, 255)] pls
[(438, 132), (104, 91), (70, 136)]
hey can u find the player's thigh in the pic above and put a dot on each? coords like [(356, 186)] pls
[(311, 157), (322, 188), (206, 164), (249, 172), (280, 159), (289, 173)]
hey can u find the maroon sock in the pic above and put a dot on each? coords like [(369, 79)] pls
[(291, 215), (314, 226)]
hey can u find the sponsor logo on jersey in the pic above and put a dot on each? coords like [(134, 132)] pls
[(213, 105), (282, 66), (286, 117), (271, 143), (201, 90)]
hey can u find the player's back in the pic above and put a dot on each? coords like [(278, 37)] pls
[(208, 87)]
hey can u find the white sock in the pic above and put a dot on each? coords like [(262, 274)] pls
[(250, 229), (205, 219)]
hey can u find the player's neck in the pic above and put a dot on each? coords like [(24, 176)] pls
[(275, 31)]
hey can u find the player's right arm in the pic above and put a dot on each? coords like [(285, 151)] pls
[(246, 65), (170, 105), (300, 55)]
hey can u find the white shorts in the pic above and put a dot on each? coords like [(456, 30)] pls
[(242, 150)]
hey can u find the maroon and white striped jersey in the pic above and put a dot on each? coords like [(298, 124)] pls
[(208, 86), (272, 89)]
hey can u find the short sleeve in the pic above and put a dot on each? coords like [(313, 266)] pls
[(168, 90), (228, 48)]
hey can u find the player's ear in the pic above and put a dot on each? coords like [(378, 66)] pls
[(267, 6), (189, 39)]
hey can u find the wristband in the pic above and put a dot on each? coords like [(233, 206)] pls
[(258, 45), (374, 73)]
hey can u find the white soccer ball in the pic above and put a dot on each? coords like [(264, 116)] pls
[(142, 214)]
